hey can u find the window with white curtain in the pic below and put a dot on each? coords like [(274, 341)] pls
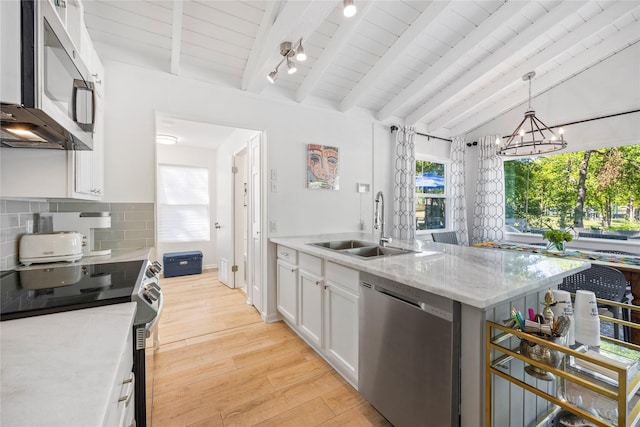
[(183, 204), (431, 197)]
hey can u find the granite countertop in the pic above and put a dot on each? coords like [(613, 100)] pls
[(60, 369), (472, 276)]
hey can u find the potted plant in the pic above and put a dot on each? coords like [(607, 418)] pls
[(556, 239)]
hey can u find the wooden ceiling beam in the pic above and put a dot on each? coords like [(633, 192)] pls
[(582, 62), (525, 38), (399, 47), (427, 79), (442, 115), (176, 35), (258, 48), (330, 52)]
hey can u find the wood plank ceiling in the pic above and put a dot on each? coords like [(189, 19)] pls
[(449, 66)]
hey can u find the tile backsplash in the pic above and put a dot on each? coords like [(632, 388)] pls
[(132, 224), (15, 218)]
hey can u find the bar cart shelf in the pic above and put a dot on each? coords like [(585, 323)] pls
[(603, 391)]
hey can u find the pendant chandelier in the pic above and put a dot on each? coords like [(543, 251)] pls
[(532, 136)]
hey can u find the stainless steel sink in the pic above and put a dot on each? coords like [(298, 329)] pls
[(377, 251), (361, 249), (338, 245)]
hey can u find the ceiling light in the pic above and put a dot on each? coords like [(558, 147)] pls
[(300, 55), (273, 76), (288, 50), (349, 8), (166, 139), (291, 66), (531, 136)]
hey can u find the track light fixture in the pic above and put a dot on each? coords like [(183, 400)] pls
[(349, 8), (288, 50)]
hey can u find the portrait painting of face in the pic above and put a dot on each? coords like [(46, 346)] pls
[(322, 167)]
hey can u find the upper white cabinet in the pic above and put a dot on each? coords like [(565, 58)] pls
[(88, 166)]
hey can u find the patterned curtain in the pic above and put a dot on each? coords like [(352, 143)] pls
[(489, 212), (404, 214), (458, 204)]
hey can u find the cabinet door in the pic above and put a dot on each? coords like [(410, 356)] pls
[(341, 329), (88, 165), (310, 319), (288, 291)]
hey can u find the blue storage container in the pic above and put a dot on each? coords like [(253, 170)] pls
[(182, 263)]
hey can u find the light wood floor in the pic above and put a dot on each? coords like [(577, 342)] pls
[(219, 364)]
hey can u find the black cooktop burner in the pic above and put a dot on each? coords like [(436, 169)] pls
[(66, 287)]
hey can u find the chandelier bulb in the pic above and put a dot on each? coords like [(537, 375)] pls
[(497, 140), (349, 8), (521, 132), (272, 76), (561, 131)]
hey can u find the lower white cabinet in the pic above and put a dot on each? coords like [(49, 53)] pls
[(341, 318), (121, 408), (311, 307), (287, 279), (319, 300)]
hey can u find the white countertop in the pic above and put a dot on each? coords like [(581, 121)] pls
[(59, 369), (477, 277)]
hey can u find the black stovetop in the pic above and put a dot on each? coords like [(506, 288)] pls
[(64, 287)]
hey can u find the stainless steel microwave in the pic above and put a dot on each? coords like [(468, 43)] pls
[(48, 97)]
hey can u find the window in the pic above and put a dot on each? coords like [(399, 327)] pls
[(596, 192), (431, 195), (183, 204)]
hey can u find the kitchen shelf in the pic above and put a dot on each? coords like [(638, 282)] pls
[(602, 392)]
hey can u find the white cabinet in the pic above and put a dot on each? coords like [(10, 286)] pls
[(121, 407), (310, 302), (319, 300), (341, 318), (88, 166), (287, 282)]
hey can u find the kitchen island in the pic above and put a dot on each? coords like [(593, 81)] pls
[(485, 283)]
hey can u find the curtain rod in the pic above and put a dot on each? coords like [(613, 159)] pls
[(585, 120), (395, 128)]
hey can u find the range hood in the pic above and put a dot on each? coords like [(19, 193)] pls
[(33, 128)]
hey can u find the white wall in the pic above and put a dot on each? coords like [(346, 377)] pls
[(197, 157), (134, 94)]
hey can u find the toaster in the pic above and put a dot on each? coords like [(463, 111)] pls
[(50, 247)]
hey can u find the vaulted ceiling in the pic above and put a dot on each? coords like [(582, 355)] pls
[(449, 66)]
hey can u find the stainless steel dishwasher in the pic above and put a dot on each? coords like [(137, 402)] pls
[(409, 354)]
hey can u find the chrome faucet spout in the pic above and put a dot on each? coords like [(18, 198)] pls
[(378, 220)]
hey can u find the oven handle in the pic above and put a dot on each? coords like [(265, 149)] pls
[(149, 327)]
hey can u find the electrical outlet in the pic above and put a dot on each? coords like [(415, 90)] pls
[(274, 186), (273, 226), (29, 226), (363, 225)]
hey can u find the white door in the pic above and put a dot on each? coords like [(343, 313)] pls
[(240, 204), (255, 247), (224, 220)]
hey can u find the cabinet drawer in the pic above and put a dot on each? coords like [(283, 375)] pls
[(310, 264), (287, 254), (342, 276)]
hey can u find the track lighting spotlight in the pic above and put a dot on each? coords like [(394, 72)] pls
[(349, 8), (300, 55), (291, 66), (273, 76)]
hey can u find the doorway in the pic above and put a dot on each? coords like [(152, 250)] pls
[(233, 158)]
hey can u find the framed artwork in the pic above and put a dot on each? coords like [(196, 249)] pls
[(322, 167)]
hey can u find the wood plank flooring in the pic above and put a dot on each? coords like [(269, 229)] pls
[(219, 364)]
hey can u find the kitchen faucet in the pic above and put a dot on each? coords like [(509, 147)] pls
[(378, 220)]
